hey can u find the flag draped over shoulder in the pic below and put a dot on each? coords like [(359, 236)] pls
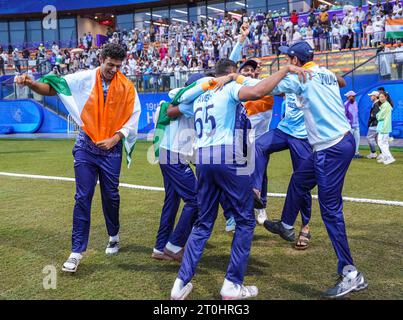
[(394, 28), (82, 94), (162, 119)]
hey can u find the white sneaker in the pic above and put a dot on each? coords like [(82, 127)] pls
[(380, 157), (230, 225), (380, 160), (182, 293), (72, 263), (232, 291), (372, 155), (261, 216), (389, 161), (113, 246)]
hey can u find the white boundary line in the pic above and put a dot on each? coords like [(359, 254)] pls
[(139, 187)]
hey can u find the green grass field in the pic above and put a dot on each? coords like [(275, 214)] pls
[(36, 218)]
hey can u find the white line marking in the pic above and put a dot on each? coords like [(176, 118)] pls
[(139, 187)]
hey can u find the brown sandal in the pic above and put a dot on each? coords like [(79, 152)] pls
[(303, 240)]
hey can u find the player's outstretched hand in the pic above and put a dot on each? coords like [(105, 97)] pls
[(244, 31), (302, 73), (23, 80)]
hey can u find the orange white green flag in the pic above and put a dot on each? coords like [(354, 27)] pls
[(82, 95), (394, 28)]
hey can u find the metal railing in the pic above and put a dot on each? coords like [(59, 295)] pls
[(326, 59), (162, 82), (380, 67)]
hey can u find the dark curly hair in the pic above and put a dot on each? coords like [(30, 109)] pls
[(113, 51)]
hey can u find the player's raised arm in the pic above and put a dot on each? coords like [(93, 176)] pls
[(43, 89)]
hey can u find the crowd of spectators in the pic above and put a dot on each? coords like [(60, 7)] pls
[(177, 48)]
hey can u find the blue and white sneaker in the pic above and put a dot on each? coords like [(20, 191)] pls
[(230, 225), (346, 284)]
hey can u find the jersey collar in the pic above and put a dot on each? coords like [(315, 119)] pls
[(309, 65)]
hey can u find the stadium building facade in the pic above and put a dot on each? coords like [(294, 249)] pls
[(24, 24)]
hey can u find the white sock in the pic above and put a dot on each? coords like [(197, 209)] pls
[(229, 288), (352, 274), (75, 255), (287, 226), (178, 286), (173, 248), (114, 238)]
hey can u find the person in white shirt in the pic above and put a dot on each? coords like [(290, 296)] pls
[(297, 35), (369, 34), (378, 30), (336, 37), (264, 38), (399, 59), (397, 7)]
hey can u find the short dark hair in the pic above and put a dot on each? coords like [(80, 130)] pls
[(113, 51), (222, 67)]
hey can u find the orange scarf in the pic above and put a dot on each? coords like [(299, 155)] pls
[(102, 119)]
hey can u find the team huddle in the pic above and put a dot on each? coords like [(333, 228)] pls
[(219, 125)]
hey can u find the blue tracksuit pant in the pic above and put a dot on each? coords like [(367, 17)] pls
[(179, 183), (88, 168), (276, 140), (327, 169), (213, 181)]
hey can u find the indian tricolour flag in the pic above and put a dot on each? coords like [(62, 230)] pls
[(83, 96), (394, 28)]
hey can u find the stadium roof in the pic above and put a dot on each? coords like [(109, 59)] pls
[(36, 6)]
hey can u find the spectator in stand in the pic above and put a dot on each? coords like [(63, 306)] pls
[(41, 51), (311, 18), (322, 32), (384, 127), (89, 39), (324, 17), (397, 10), (369, 34), (309, 37), (399, 59), (351, 110), (55, 48), (265, 41), (372, 124), (378, 8), (384, 62), (16, 60), (378, 30), (357, 33), (297, 35), (387, 7), (163, 50), (336, 37), (315, 35), (360, 14), (294, 17)]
